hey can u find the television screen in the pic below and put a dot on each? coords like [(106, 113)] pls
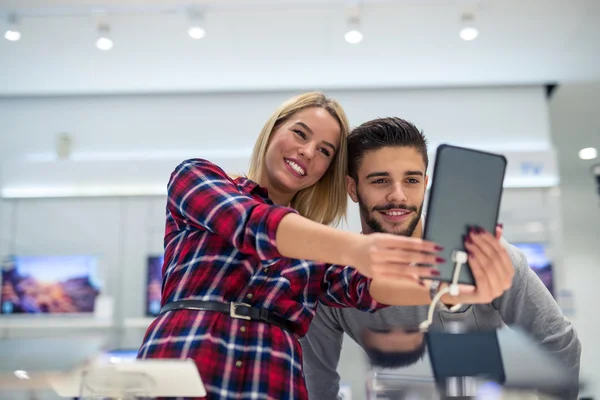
[(119, 355), (154, 285), (49, 285), (539, 262)]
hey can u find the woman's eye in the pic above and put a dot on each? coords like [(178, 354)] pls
[(300, 133)]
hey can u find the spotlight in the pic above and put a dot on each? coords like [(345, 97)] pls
[(353, 34), (196, 30), (104, 42), (468, 31), (12, 34)]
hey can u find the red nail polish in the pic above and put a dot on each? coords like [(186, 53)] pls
[(469, 240), (439, 248), (435, 272), (440, 260), (500, 225)]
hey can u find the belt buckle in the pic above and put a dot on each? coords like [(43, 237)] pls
[(232, 310)]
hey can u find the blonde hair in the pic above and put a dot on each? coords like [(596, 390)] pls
[(326, 201)]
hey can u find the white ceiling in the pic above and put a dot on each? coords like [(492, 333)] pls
[(287, 44)]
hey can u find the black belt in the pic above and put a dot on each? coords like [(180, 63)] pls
[(234, 310)]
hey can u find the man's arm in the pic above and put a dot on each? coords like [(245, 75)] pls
[(530, 306), (321, 348)]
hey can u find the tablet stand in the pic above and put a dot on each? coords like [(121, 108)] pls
[(454, 386), (133, 379), (459, 257), (462, 386), (105, 382)]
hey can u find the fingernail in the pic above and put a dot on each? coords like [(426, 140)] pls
[(469, 240), (439, 248), (421, 283), (500, 225), (440, 260), (470, 254), (479, 230), (435, 272)]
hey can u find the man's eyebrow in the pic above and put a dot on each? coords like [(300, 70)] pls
[(378, 174), (383, 174)]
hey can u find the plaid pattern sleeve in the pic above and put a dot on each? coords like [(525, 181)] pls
[(202, 196), (346, 287)]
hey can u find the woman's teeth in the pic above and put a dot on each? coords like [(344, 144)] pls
[(295, 167)]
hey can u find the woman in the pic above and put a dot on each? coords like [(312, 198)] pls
[(238, 289)]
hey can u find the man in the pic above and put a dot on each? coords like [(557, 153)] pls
[(387, 168)]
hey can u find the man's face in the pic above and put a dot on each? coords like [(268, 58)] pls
[(390, 190), (393, 348)]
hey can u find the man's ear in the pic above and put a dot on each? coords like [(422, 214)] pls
[(351, 188), (426, 181)]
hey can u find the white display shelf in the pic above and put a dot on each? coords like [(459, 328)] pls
[(51, 322), (143, 322)]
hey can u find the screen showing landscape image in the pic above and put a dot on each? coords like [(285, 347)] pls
[(539, 262), (49, 285), (154, 279)]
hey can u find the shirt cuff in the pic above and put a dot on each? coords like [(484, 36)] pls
[(271, 223)]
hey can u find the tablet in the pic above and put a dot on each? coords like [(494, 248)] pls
[(466, 191)]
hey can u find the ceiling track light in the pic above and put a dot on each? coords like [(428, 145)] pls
[(468, 31), (353, 33), (104, 42), (12, 34), (196, 30)]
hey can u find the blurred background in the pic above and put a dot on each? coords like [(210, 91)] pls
[(101, 99)]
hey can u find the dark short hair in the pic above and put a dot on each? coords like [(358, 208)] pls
[(395, 359), (379, 133)]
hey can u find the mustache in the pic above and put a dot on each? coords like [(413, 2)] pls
[(391, 206)]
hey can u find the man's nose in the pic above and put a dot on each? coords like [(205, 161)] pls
[(397, 194)]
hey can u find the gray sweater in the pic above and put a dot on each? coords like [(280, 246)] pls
[(528, 304)]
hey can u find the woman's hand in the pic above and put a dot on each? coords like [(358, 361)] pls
[(387, 256), (490, 265)]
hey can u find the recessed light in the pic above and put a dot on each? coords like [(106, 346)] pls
[(12, 36), (589, 153)]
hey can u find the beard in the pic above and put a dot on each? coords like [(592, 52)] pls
[(376, 226)]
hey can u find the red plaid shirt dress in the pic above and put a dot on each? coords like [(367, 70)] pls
[(220, 246)]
